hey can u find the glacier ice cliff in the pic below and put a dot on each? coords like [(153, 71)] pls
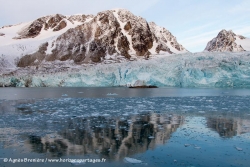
[(206, 69)]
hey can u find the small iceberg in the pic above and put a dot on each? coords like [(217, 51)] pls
[(141, 84), (77, 163), (132, 160), (23, 119), (112, 94), (64, 95), (238, 148)]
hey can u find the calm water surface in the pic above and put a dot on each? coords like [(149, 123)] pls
[(126, 127)]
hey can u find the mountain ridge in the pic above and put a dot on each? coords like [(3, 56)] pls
[(111, 36)]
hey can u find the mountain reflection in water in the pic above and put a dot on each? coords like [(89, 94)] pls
[(112, 138), (228, 127), (116, 138)]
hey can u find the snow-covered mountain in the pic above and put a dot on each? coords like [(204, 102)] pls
[(110, 36), (228, 41), (22, 39)]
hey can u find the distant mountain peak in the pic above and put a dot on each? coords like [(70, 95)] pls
[(228, 41)]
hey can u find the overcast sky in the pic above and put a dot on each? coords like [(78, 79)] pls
[(193, 22)]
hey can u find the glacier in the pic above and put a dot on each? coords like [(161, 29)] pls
[(200, 70)]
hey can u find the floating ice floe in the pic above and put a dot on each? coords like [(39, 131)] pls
[(132, 160), (23, 119), (151, 137), (112, 94), (238, 148), (78, 163)]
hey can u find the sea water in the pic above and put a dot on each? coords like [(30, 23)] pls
[(124, 127)]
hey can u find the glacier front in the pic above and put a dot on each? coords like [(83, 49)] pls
[(206, 69)]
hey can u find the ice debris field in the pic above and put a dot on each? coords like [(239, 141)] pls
[(206, 69), (37, 111)]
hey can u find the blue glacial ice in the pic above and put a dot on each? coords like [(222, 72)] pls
[(188, 70)]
